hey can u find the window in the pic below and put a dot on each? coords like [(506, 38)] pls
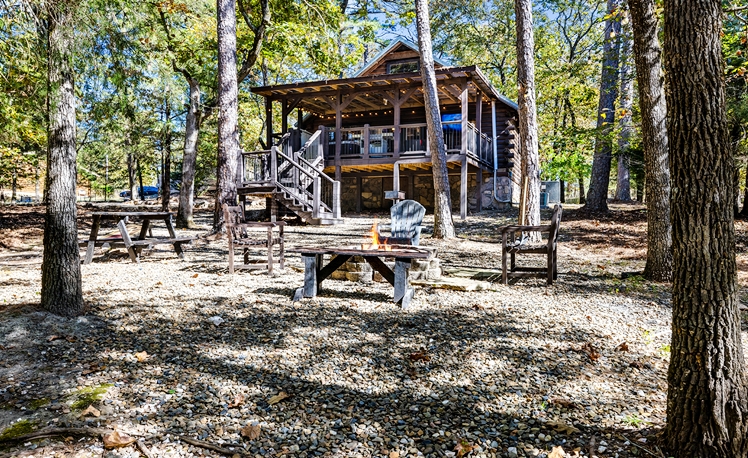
[(404, 66)]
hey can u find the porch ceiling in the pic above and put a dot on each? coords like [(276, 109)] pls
[(376, 92)]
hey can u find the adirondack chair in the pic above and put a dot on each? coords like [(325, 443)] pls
[(510, 245), (240, 234), (406, 217)]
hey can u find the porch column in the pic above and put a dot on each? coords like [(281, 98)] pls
[(269, 122), (493, 135), (479, 149), (338, 127), (396, 177), (396, 114), (284, 118), (463, 151)]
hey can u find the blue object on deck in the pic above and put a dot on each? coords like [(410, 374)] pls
[(452, 118)]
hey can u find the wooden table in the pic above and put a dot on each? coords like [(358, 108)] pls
[(133, 246), (315, 273)]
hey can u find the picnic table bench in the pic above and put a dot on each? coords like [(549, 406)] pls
[(134, 246)]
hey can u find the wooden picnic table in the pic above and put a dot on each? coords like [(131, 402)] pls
[(133, 246), (315, 272)]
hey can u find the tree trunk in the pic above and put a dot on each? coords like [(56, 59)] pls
[(653, 109), (61, 292), (443, 224), (131, 170), (166, 166), (597, 197), (14, 183), (562, 192), (640, 198), (623, 182), (744, 211), (582, 198), (189, 160), (141, 191), (228, 104), (707, 410), (528, 124)]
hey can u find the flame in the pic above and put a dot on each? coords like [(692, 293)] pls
[(376, 244)]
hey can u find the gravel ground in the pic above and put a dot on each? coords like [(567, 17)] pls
[(513, 371)]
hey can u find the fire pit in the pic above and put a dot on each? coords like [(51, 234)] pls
[(315, 272)]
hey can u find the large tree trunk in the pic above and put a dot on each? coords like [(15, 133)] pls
[(189, 160), (744, 211), (228, 105), (61, 273), (653, 109), (626, 128), (528, 117), (166, 166), (597, 197), (707, 411), (443, 224)]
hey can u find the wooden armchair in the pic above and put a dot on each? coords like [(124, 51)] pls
[(510, 245), (240, 236), (406, 217)]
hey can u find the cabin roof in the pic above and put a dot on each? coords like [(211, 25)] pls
[(313, 95), (389, 49)]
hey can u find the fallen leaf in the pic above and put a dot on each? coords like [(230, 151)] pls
[(623, 347), (278, 398), (90, 410), (420, 355), (238, 400), (394, 454), (561, 427), (53, 337), (591, 351), (195, 276), (117, 439), (141, 356), (464, 447), (557, 452), (251, 432)]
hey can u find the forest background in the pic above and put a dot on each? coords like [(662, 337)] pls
[(138, 63)]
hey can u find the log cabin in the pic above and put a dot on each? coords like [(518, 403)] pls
[(355, 143)]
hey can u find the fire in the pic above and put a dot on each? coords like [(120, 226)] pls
[(376, 244)]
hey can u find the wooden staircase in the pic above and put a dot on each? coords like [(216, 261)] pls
[(293, 179)]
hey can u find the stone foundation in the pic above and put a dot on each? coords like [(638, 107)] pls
[(358, 270)]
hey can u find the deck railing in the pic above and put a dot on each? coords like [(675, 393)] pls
[(377, 142)]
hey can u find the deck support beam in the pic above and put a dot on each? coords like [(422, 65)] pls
[(269, 122), (463, 150)]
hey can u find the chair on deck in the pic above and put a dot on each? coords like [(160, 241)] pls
[(510, 245), (240, 235), (405, 227)]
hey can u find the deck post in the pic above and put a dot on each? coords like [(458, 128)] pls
[(284, 118), (493, 136), (269, 121), (463, 150), (396, 121), (316, 192), (358, 194), (479, 188), (396, 176), (478, 121), (338, 139), (336, 199), (365, 154)]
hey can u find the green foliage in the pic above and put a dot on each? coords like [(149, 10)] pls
[(18, 428)]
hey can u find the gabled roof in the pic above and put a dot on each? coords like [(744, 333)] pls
[(382, 55)]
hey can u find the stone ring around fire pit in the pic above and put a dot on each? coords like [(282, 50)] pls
[(315, 272)]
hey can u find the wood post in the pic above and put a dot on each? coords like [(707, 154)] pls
[(493, 136), (316, 192), (395, 176), (463, 188), (338, 128), (269, 121), (463, 150), (284, 118), (396, 113), (358, 194), (478, 121), (336, 199), (366, 142)]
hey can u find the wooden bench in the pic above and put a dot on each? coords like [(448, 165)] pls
[(240, 235), (510, 245)]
